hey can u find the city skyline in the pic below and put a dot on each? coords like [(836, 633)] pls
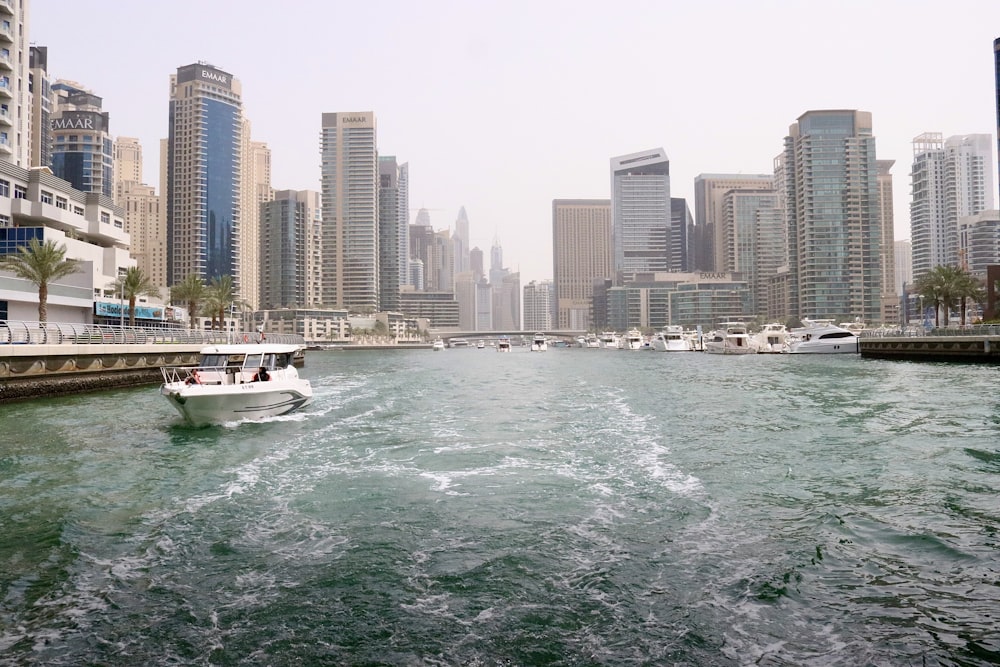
[(495, 115)]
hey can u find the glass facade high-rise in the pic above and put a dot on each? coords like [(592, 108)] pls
[(349, 184), (832, 216), (40, 88), (640, 213), (390, 227), (81, 149), (287, 224), (204, 174)]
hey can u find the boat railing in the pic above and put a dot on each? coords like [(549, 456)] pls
[(16, 332), (209, 374)]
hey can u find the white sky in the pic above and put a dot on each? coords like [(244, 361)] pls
[(502, 107)]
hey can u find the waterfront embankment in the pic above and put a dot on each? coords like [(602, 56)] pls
[(957, 347)]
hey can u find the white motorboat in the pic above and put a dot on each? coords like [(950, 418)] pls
[(235, 382), (481, 344), (671, 339), (822, 337), (771, 339), (729, 338), (608, 340), (591, 341), (538, 343), (503, 344), (437, 345), (632, 340)]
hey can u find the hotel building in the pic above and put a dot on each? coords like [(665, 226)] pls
[(349, 183), (204, 175)]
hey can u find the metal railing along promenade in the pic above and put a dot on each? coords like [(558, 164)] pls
[(920, 331), (14, 332)]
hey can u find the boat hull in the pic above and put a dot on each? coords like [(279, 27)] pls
[(202, 405)]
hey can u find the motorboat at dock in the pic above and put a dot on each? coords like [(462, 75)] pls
[(729, 338), (671, 339), (822, 337), (236, 382)]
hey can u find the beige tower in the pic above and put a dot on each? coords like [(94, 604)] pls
[(890, 302), (144, 219), (581, 254), (256, 190), (709, 212), (15, 98)]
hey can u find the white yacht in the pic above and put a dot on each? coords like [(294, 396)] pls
[(591, 341), (822, 337), (671, 339), (481, 344), (437, 345), (771, 339), (234, 382), (503, 344), (729, 338), (538, 343), (608, 340), (632, 340)]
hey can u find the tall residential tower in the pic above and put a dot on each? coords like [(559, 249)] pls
[(349, 184), (204, 174), (640, 213)]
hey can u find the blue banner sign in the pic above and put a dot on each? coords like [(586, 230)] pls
[(112, 309)]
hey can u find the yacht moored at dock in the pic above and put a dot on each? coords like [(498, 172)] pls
[(729, 338), (538, 343), (671, 339), (822, 337)]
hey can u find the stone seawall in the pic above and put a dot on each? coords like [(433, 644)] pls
[(34, 371)]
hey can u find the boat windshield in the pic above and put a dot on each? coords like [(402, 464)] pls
[(214, 360)]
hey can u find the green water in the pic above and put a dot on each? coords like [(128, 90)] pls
[(572, 507)]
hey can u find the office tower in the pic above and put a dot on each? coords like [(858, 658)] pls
[(461, 239), (204, 175), (255, 191), (903, 265), (403, 220), (145, 221), (349, 187), (680, 251), (81, 150), (465, 295), (754, 240), (709, 193), (538, 299), (15, 89), (40, 89), (444, 262), (832, 216), (507, 303), (640, 213), (996, 58), (951, 179), (286, 234), (392, 227), (476, 263), (484, 305), (581, 254)]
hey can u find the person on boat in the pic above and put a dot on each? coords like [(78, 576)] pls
[(194, 378), (261, 376)]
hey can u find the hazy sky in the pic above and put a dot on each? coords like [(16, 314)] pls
[(502, 107)]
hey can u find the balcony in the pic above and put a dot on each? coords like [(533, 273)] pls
[(5, 91), (6, 32), (5, 118), (5, 62), (7, 7), (5, 147)]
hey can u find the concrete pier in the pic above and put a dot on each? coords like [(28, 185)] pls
[(973, 348)]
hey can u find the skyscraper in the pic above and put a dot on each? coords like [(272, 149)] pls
[(39, 85), (538, 297), (204, 174), (951, 179), (15, 96), (890, 304), (81, 140), (349, 189), (832, 216), (581, 254), (753, 239), (996, 58), (392, 224), (144, 215), (709, 194), (640, 213), (287, 227), (256, 190), (461, 238)]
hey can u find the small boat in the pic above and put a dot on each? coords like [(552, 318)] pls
[(235, 382), (608, 340), (503, 344), (771, 339), (437, 345), (481, 345), (538, 343), (822, 337), (458, 342), (632, 340), (729, 338), (591, 341), (671, 339)]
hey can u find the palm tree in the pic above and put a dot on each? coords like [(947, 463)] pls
[(942, 286), (191, 292), (221, 295), (132, 284), (40, 263), (970, 287)]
